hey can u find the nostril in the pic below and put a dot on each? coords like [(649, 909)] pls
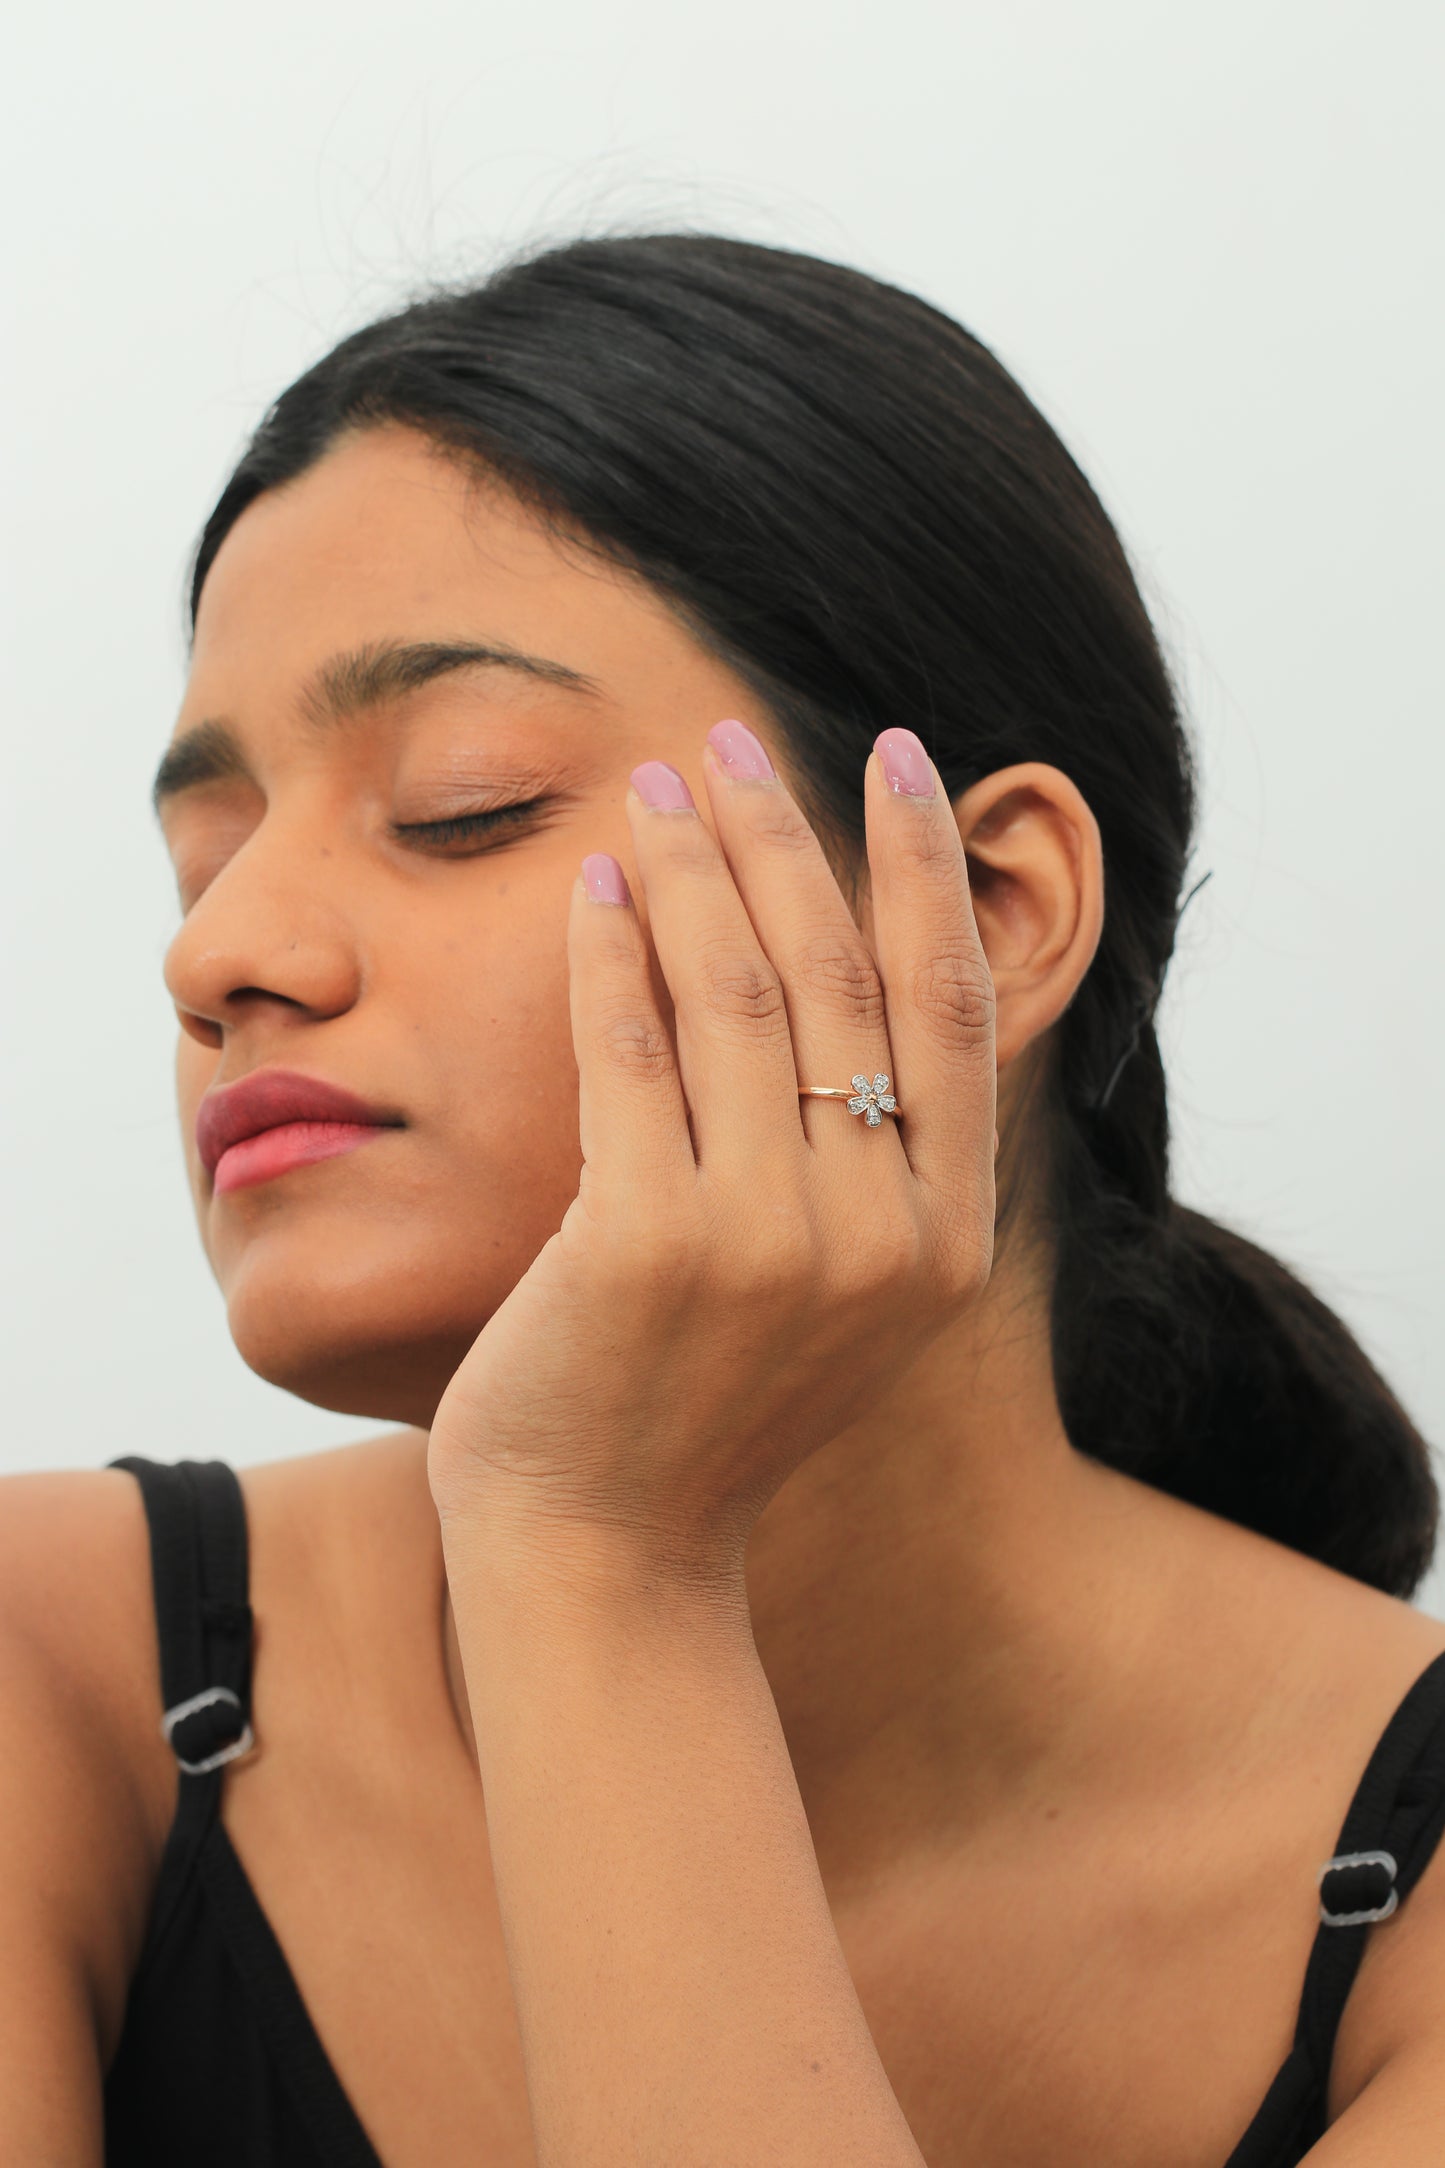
[(199, 1028)]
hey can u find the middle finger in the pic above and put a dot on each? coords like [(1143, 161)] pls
[(835, 998)]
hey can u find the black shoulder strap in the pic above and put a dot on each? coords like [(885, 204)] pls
[(1398, 1811), (199, 1572), (1389, 1837)]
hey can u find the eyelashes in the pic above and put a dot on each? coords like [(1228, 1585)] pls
[(464, 828)]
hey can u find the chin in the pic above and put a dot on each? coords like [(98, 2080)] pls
[(359, 1342), (400, 1386)]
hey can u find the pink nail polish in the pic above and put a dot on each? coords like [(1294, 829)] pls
[(905, 763), (603, 879), (662, 787), (740, 752)]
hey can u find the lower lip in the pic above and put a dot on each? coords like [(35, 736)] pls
[(292, 1144)]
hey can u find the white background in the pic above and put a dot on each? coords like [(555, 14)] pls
[(1206, 239)]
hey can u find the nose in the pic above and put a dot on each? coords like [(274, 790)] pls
[(271, 931)]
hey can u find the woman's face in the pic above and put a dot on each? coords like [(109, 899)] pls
[(423, 972)]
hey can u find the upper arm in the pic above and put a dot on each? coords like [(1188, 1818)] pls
[(77, 1836), (1399, 2117)]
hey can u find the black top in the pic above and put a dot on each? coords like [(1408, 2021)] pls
[(219, 2062)]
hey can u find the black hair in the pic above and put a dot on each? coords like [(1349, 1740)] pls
[(852, 501)]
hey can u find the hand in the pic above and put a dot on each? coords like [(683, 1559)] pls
[(743, 1271)]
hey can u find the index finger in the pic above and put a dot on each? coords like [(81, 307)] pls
[(936, 980)]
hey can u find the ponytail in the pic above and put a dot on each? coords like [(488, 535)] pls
[(1193, 1360)]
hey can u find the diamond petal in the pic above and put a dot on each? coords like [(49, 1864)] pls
[(860, 1084), (880, 1083), (859, 1106), (888, 1103), (873, 1117)]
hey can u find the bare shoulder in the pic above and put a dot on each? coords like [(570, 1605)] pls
[(88, 1786), (74, 1564), (1390, 2053), (77, 1831), (76, 1598), (1344, 1658)]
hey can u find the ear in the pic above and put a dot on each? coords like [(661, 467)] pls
[(1036, 869)]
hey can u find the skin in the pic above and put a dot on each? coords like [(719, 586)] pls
[(995, 1785)]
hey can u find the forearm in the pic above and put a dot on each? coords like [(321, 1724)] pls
[(681, 1991)]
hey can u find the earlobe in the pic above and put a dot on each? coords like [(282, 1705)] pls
[(1036, 870)]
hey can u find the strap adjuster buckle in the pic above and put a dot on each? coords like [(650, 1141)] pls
[(1350, 1864), (206, 1699)]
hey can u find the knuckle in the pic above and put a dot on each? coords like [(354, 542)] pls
[(970, 1274), (890, 1261), (667, 1258), (953, 991), (964, 1245), (770, 1253), (774, 819), (636, 1044), (901, 1254), (931, 845), (789, 1250), (687, 842), (842, 973), (658, 1245), (744, 992)]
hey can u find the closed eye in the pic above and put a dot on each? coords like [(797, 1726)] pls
[(465, 828)]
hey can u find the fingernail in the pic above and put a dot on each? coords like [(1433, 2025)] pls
[(603, 879), (739, 751), (905, 763), (662, 787)]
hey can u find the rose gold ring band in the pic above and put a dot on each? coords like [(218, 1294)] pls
[(868, 1096)]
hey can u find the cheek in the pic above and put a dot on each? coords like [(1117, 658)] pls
[(489, 1021), (509, 1085)]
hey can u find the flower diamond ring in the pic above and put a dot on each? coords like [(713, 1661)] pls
[(872, 1099)]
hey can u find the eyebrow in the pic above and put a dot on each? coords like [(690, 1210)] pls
[(343, 687)]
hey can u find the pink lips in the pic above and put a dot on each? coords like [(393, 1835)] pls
[(276, 1119)]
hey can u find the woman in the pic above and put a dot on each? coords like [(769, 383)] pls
[(873, 1620)]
